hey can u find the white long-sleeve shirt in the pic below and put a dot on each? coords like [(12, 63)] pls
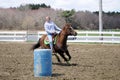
[(51, 27)]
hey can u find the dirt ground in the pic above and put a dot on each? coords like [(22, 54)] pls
[(89, 62)]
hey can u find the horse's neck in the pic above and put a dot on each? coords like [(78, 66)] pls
[(63, 38)]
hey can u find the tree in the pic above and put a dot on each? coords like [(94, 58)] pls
[(33, 6), (67, 15), (85, 20)]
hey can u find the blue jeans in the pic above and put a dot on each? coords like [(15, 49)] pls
[(50, 40)]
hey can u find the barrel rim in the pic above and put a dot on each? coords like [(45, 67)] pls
[(42, 50)]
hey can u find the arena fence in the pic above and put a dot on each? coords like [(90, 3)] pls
[(13, 36), (83, 36)]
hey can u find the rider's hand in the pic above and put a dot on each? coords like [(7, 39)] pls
[(54, 33)]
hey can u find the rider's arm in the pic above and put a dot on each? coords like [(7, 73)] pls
[(57, 28)]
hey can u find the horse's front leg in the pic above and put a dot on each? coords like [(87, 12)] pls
[(67, 53), (57, 57), (63, 56)]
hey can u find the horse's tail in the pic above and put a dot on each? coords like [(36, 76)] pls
[(36, 45)]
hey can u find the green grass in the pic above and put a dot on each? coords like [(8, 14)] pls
[(112, 30), (93, 34), (117, 34)]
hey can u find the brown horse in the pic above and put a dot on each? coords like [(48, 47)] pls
[(61, 42)]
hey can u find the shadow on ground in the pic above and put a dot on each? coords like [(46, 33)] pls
[(65, 64), (57, 74)]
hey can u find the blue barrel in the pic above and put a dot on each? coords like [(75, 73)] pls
[(42, 62)]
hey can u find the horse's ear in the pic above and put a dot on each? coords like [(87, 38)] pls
[(68, 24)]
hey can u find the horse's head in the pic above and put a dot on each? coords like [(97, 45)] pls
[(68, 30)]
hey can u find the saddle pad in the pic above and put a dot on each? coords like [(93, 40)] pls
[(46, 40)]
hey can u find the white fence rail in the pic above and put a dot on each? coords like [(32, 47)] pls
[(97, 37), (84, 36), (13, 36)]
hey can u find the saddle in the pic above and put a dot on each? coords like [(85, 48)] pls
[(54, 39)]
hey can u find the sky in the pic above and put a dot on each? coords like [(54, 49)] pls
[(78, 5)]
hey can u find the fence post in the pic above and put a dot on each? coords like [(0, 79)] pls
[(86, 35), (26, 36), (113, 37), (14, 36), (38, 35)]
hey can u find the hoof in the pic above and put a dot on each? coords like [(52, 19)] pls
[(59, 61), (68, 62)]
